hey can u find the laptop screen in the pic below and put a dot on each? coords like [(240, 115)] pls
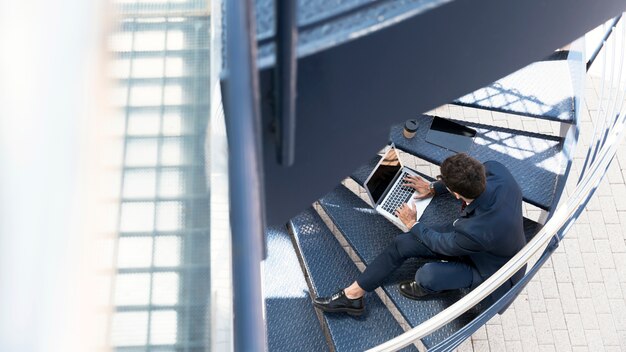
[(384, 175)]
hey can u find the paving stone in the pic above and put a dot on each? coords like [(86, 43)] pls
[(594, 340), (495, 337), (555, 313), (609, 211), (585, 240), (568, 297), (535, 297), (509, 325), (607, 330), (561, 267), (572, 250), (592, 267), (547, 348), (611, 283), (575, 329), (616, 239), (530, 338), (480, 345), (513, 346), (600, 298), (587, 310), (522, 311), (542, 328), (603, 251), (561, 339), (618, 310), (481, 333), (581, 285), (620, 265), (548, 283)]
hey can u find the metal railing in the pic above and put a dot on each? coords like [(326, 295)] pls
[(612, 117)]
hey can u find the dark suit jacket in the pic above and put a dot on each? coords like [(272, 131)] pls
[(489, 231)]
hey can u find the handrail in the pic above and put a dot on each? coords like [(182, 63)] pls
[(604, 39), (581, 196)]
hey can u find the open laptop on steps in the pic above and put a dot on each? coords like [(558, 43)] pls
[(386, 192)]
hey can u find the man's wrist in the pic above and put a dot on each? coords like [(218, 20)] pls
[(411, 224)]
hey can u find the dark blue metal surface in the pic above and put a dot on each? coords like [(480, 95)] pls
[(535, 160), (292, 324), (369, 233), (542, 89), (329, 269)]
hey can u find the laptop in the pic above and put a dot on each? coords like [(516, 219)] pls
[(386, 192), (450, 135)]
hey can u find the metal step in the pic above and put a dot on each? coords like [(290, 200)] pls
[(369, 233), (329, 269), (535, 160), (543, 89), (291, 318)]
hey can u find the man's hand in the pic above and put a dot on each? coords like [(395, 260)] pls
[(407, 214), (420, 185)]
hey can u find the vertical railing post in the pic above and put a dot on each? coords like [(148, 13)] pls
[(286, 79), (246, 176)]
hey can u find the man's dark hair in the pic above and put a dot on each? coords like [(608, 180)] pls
[(464, 175)]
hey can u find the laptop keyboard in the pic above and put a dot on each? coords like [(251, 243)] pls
[(399, 195)]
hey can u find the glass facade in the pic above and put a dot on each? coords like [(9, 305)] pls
[(160, 67)]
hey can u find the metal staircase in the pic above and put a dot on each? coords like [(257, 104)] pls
[(539, 162), (363, 66)]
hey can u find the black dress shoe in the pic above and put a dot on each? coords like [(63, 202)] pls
[(340, 303), (412, 290)]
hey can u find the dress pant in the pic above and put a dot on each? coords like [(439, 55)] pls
[(433, 276)]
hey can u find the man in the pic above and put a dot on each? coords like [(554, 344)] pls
[(488, 232)]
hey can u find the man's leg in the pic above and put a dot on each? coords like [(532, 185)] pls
[(403, 247), (433, 278), (350, 299)]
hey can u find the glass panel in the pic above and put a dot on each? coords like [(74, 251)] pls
[(165, 289), (148, 67), (132, 289), (144, 123), (129, 328), (145, 95), (170, 184), (134, 252), (169, 216), (139, 184), (137, 217), (164, 327), (167, 251), (149, 41), (171, 152), (141, 152)]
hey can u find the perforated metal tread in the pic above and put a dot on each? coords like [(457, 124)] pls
[(329, 268), (361, 174), (542, 89), (369, 233), (292, 324), (535, 160), (327, 23)]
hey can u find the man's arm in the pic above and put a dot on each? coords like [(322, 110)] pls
[(447, 243)]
